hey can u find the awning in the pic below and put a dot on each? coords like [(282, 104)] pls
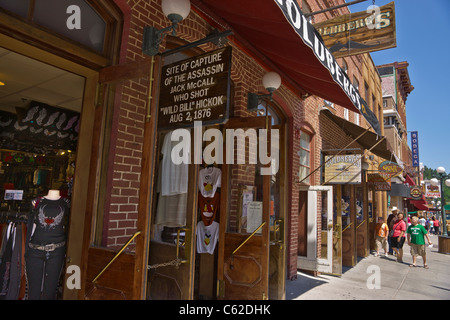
[(399, 190), (367, 140), (279, 31), (420, 204)]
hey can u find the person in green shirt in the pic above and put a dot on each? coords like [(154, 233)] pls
[(416, 234)]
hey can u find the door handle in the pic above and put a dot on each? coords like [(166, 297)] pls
[(186, 242), (278, 234), (338, 231)]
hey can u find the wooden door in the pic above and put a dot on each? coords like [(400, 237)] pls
[(123, 278), (172, 247), (243, 258), (319, 202)]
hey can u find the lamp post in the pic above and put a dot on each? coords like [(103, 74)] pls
[(441, 175)]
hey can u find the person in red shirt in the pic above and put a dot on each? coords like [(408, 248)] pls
[(436, 226), (399, 236)]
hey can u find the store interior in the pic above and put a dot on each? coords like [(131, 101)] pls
[(40, 109)]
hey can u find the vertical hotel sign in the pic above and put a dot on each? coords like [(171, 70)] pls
[(312, 39), (415, 148), (195, 89)]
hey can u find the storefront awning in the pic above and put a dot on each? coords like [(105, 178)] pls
[(366, 140), (420, 204), (278, 30)]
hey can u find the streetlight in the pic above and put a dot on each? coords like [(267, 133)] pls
[(441, 175)]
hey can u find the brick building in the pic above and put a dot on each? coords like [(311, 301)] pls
[(120, 170)]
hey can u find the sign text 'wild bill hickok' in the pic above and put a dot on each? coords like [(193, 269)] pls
[(195, 89)]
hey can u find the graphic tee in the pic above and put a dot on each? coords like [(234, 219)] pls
[(209, 179), (50, 218), (207, 237), (208, 207), (417, 234)]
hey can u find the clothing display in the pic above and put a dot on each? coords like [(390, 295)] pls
[(174, 176), (208, 207), (207, 237), (172, 186), (209, 179), (45, 250), (12, 276)]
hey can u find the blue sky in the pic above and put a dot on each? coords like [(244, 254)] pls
[(423, 34)]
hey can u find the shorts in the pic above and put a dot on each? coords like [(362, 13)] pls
[(397, 244), (418, 250), (381, 243)]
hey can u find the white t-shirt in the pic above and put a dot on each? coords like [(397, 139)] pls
[(207, 237), (209, 179), (174, 178)]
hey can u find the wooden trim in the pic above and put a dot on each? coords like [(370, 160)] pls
[(49, 42), (146, 190)]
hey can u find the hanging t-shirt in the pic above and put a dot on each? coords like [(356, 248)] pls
[(207, 237), (209, 179), (174, 177), (172, 186), (208, 207)]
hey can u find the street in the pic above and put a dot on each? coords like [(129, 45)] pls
[(380, 278)]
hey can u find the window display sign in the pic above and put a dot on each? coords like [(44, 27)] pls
[(343, 169), (254, 216), (13, 194), (195, 89)]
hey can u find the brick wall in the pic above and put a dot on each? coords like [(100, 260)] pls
[(130, 111)]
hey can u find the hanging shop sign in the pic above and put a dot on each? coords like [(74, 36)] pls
[(416, 192), (312, 39), (195, 89), (390, 169), (432, 191), (343, 169), (415, 148), (360, 32), (378, 182)]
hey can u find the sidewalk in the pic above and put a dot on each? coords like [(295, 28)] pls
[(397, 280)]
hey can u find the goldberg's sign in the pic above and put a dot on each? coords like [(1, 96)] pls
[(195, 89), (343, 169), (390, 169), (360, 32), (415, 148), (312, 39)]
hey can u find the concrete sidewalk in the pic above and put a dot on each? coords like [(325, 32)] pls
[(398, 281)]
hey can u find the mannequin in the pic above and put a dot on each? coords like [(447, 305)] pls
[(46, 245), (53, 195)]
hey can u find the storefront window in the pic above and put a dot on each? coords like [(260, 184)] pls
[(19, 7), (359, 205), (75, 19), (305, 155)]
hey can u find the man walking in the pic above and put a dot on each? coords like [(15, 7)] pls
[(416, 234)]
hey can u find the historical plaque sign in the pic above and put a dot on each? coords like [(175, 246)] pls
[(195, 89)]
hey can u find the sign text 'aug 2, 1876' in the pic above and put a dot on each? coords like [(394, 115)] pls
[(195, 89)]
